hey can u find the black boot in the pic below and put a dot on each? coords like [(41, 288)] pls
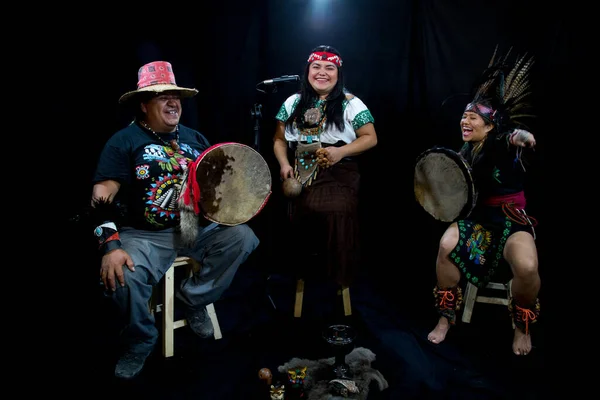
[(131, 363), (199, 321)]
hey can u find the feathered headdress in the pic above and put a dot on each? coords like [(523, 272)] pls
[(501, 94)]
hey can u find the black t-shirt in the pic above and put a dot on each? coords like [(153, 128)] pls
[(150, 173)]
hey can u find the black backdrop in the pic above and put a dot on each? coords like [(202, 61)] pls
[(402, 58)]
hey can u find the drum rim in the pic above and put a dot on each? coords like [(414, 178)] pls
[(465, 168)]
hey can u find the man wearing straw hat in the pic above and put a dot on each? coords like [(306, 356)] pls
[(141, 170)]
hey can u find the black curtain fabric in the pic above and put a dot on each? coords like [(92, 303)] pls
[(411, 62)]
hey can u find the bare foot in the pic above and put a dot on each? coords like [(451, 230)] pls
[(521, 343), (438, 334)]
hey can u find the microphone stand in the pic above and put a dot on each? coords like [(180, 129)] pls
[(256, 109), (256, 115)]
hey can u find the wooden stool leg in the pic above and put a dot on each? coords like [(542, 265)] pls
[(169, 313), (215, 321), (470, 296), (168, 308), (299, 297), (346, 300)]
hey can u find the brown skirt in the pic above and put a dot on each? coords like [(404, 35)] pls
[(325, 223)]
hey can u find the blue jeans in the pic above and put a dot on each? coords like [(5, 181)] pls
[(219, 249)]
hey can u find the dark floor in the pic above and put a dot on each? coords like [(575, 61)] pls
[(475, 361)]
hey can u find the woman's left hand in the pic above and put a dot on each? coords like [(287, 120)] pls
[(523, 138)]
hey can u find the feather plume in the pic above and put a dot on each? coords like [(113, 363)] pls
[(506, 87), (103, 210)]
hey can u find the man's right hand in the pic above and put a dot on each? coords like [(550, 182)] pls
[(111, 269)]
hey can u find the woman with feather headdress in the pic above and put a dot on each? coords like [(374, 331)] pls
[(497, 232)]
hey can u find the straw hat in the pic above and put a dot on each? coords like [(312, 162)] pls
[(157, 77)]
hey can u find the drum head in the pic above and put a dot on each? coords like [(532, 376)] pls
[(234, 182), (443, 184)]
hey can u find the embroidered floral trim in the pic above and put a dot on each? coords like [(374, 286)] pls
[(362, 118)]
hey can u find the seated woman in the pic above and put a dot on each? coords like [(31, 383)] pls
[(498, 228)]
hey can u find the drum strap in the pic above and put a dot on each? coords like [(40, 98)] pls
[(523, 316), (448, 302)]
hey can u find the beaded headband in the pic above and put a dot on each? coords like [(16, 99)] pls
[(484, 111), (325, 56)]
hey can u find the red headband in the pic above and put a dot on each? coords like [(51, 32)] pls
[(325, 56)]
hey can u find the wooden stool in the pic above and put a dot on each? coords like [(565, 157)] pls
[(471, 297), (345, 291), (169, 323)]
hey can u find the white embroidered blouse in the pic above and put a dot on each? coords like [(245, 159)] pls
[(356, 114)]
